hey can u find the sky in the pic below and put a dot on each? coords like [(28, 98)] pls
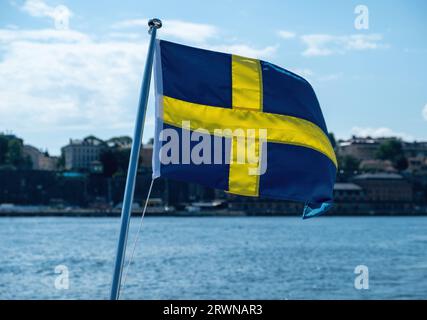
[(70, 68)]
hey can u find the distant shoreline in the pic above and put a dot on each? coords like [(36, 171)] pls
[(116, 214)]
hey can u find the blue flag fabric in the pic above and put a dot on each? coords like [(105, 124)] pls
[(242, 125)]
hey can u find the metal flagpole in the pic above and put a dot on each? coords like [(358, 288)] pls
[(153, 24)]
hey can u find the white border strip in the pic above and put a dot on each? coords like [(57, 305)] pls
[(158, 81)]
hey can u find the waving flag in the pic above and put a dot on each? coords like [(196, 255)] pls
[(242, 125)]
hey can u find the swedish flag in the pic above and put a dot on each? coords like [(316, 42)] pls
[(206, 101)]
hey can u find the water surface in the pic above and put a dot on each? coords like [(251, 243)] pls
[(217, 257)]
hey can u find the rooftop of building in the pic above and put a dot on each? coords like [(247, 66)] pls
[(88, 141), (346, 186), (374, 141), (352, 142), (378, 176), (123, 142), (32, 148)]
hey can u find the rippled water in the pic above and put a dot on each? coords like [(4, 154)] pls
[(217, 258)]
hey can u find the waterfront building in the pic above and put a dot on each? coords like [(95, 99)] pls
[(79, 154), (348, 192), (359, 148), (376, 165), (96, 167), (385, 187), (146, 155), (417, 165), (415, 149), (122, 142), (366, 148), (40, 160)]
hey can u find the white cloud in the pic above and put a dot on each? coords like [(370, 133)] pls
[(38, 8), (194, 33), (424, 112), (326, 44), (316, 44), (130, 23), (286, 34), (124, 35), (57, 79), (363, 42), (245, 50), (61, 80), (314, 77), (198, 33), (304, 72), (187, 31), (54, 81), (380, 132), (14, 35), (330, 77)]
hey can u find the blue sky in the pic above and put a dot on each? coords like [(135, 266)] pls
[(73, 68)]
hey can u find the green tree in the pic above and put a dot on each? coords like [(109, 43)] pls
[(120, 141), (392, 150), (14, 153), (389, 149), (348, 164), (400, 162), (115, 161), (109, 162), (4, 142), (332, 139), (61, 162)]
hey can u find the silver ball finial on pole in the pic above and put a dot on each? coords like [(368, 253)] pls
[(154, 23)]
